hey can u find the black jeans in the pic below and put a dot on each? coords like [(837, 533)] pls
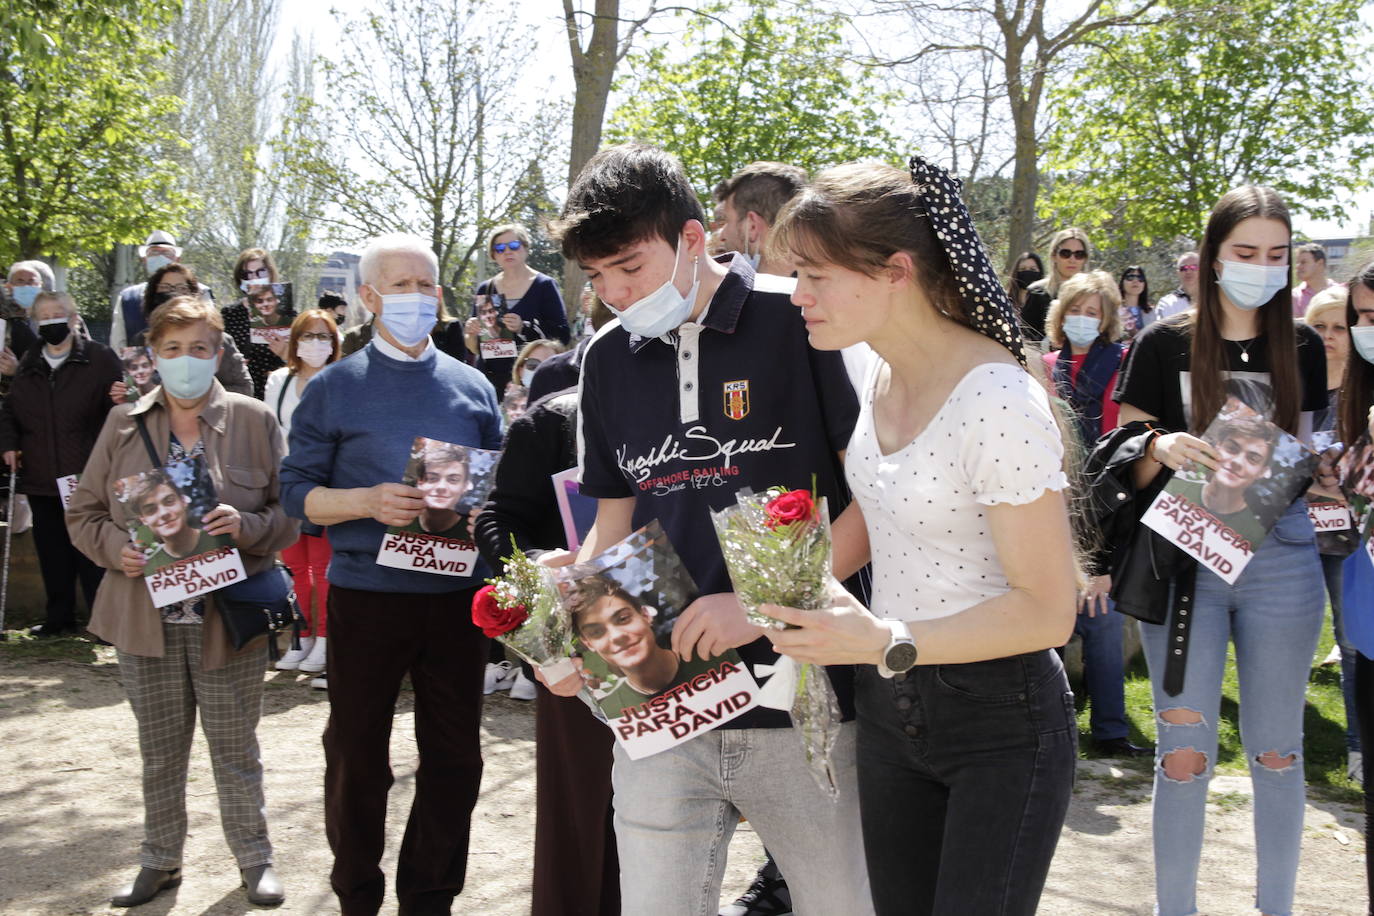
[(965, 773), (61, 564)]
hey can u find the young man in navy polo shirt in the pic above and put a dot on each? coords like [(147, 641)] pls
[(704, 386)]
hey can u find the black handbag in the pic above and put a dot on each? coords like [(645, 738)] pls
[(262, 603)]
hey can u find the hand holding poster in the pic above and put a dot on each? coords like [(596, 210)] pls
[(454, 480), (163, 508), (622, 606), (1221, 517)]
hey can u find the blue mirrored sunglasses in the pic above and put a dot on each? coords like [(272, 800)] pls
[(500, 247)]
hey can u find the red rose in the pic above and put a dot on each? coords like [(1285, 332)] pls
[(793, 506), (491, 617)]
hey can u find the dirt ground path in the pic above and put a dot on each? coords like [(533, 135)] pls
[(71, 815)]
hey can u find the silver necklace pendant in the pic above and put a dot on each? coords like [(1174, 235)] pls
[(1245, 356)]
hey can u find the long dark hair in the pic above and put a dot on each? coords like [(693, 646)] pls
[(1357, 387), (1207, 361), (1014, 289), (1145, 304), (150, 289)]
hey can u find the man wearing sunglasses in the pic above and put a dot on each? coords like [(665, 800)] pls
[(1182, 298)]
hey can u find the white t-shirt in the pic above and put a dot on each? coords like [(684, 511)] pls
[(282, 402), (993, 441)]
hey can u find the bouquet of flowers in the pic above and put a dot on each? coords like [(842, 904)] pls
[(522, 610), (777, 548)]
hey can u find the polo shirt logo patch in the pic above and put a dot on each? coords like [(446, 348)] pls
[(737, 399)]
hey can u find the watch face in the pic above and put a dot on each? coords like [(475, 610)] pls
[(900, 657)]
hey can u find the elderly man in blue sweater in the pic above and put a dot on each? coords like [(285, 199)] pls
[(350, 440)]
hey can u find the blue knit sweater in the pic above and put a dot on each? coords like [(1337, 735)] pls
[(354, 428)]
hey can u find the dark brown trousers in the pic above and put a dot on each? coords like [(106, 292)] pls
[(375, 640), (576, 870)]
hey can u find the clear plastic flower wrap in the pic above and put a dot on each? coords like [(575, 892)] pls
[(522, 609), (777, 548)]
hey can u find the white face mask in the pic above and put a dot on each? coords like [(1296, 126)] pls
[(314, 353), (1250, 286), (526, 376), (1362, 337), (156, 262), (665, 308), (1081, 330)]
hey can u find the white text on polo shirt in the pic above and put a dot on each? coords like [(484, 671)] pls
[(700, 446)]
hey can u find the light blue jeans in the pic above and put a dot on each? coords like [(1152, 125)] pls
[(1274, 614), (676, 811)]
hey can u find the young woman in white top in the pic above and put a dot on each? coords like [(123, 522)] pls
[(967, 740), (314, 343)]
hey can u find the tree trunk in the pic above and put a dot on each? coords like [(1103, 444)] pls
[(593, 71), (1025, 186)]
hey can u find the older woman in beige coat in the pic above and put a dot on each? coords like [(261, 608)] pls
[(177, 660)]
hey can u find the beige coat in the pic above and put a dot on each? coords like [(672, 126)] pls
[(243, 452)]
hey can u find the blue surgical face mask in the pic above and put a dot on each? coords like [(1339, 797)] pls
[(409, 316), (1250, 286), (25, 295), (156, 262), (1082, 330), (186, 377), (1363, 339), (665, 308)]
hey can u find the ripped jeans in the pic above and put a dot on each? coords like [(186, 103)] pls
[(1274, 614)]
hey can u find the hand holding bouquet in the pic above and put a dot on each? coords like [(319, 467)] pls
[(777, 548), (522, 610)]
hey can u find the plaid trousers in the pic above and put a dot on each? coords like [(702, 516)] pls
[(164, 693)]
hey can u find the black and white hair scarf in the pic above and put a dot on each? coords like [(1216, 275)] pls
[(989, 309)]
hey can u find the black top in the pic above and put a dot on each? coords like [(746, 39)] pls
[(742, 402), (522, 502), (1035, 310), (1155, 376), (54, 416), (541, 308)]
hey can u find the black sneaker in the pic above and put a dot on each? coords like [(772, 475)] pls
[(767, 896)]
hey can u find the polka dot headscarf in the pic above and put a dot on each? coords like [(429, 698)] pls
[(989, 308)]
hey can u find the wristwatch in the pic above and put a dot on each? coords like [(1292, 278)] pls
[(900, 655)]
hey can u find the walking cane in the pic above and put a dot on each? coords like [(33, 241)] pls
[(5, 573)]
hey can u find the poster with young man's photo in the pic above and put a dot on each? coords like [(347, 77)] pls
[(1328, 510), (455, 480), (140, 371), (494, 339), (270, 313), (1221, 517), (622, 606), (163, 510)]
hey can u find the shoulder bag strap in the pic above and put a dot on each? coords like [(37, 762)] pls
[(281, 398), (147, 441)]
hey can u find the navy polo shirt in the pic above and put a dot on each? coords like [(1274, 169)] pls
[(737, 400)]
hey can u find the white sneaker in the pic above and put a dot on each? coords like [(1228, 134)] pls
[(523, 688), (319, 683), (293, 658), (1333, 657), (314, 662), (500, 676), (1354, 767)]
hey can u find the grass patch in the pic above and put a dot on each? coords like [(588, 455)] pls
[(1323, 724), (19, 645)]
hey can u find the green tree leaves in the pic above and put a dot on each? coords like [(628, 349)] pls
[(774, 87), (1160, 121), (81, 135)]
